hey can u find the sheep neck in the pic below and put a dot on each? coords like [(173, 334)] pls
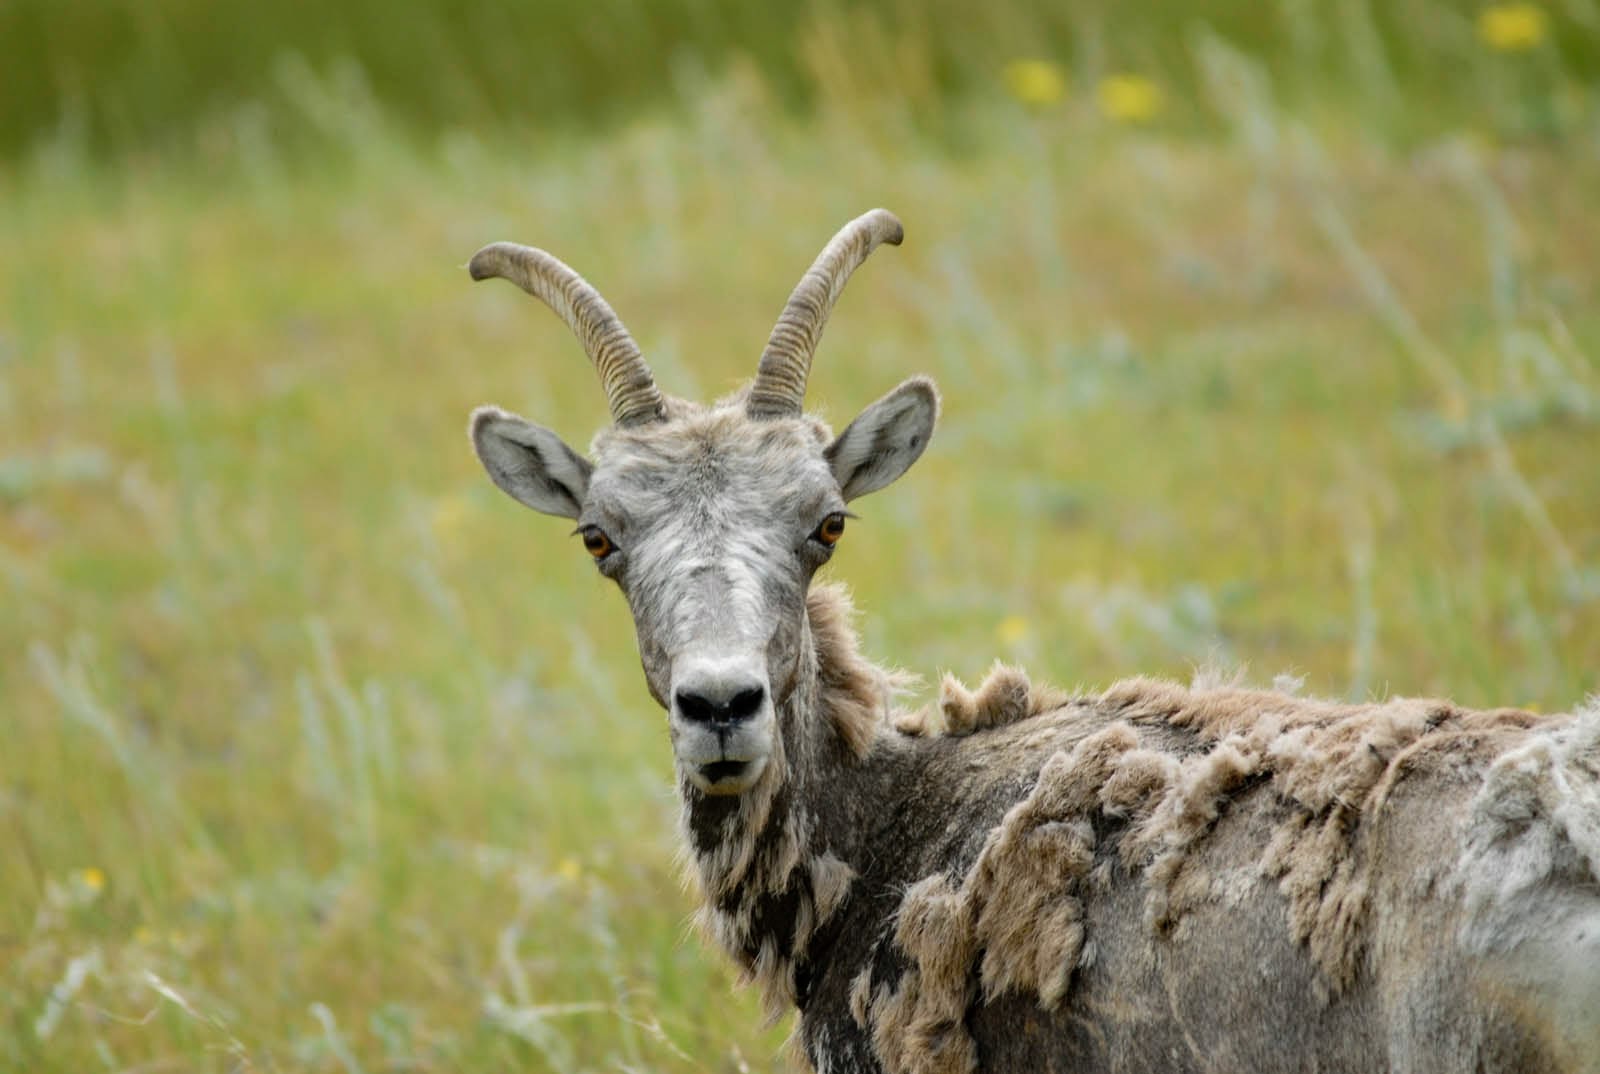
[(768, 882)]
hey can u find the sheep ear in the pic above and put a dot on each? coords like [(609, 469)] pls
[(532, 464), (885, 439)]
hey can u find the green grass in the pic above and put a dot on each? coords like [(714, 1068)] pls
[(320, 754), (132, 77)]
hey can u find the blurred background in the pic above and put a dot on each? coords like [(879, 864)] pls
[(1268, 335)]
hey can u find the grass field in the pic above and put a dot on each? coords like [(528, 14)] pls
[(320, 754), (132, 77)]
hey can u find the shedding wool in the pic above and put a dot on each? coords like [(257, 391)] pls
[(1199, 879), (1156, 780)]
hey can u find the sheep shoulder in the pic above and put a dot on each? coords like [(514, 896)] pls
[(1169, 876)]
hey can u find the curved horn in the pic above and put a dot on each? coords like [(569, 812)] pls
[(780, 385), (630, 388)]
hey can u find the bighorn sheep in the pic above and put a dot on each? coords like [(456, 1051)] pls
[(1159, 877)]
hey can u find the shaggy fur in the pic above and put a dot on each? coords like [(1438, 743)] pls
[(1005, 696), (1213, 803), (766, 878), (1160, 877), (1229, 820)]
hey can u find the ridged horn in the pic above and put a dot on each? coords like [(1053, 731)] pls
[(630, 388), (779, 389)]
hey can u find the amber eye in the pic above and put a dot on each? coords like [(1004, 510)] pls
[(596, 541), (831, 530)]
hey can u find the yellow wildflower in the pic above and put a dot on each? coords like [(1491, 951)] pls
[(1129, 98), (1035, 82), (1011, 630), (144, 935), (1511, 27), (569, 870), (92, 879)]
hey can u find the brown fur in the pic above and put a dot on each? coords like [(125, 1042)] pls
[(1160, 877), (1017, 907), (1006, 695), (1016, 916), (855, 694), (1327, 762)]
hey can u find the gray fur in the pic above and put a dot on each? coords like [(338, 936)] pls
[(885, 439), (1154, 878), (530, 463)]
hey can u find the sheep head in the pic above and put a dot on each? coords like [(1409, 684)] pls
[(712, 519)]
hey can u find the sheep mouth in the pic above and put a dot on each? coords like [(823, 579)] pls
[(717, 771)]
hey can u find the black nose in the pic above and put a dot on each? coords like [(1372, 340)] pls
[(707, 704)]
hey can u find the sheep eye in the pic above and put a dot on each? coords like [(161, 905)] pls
[(831, 530), (596, 541)]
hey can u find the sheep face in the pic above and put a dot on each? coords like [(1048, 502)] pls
[(712, 520), (713, 523)]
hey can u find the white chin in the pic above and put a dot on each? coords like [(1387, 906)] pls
[(726, 777)]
